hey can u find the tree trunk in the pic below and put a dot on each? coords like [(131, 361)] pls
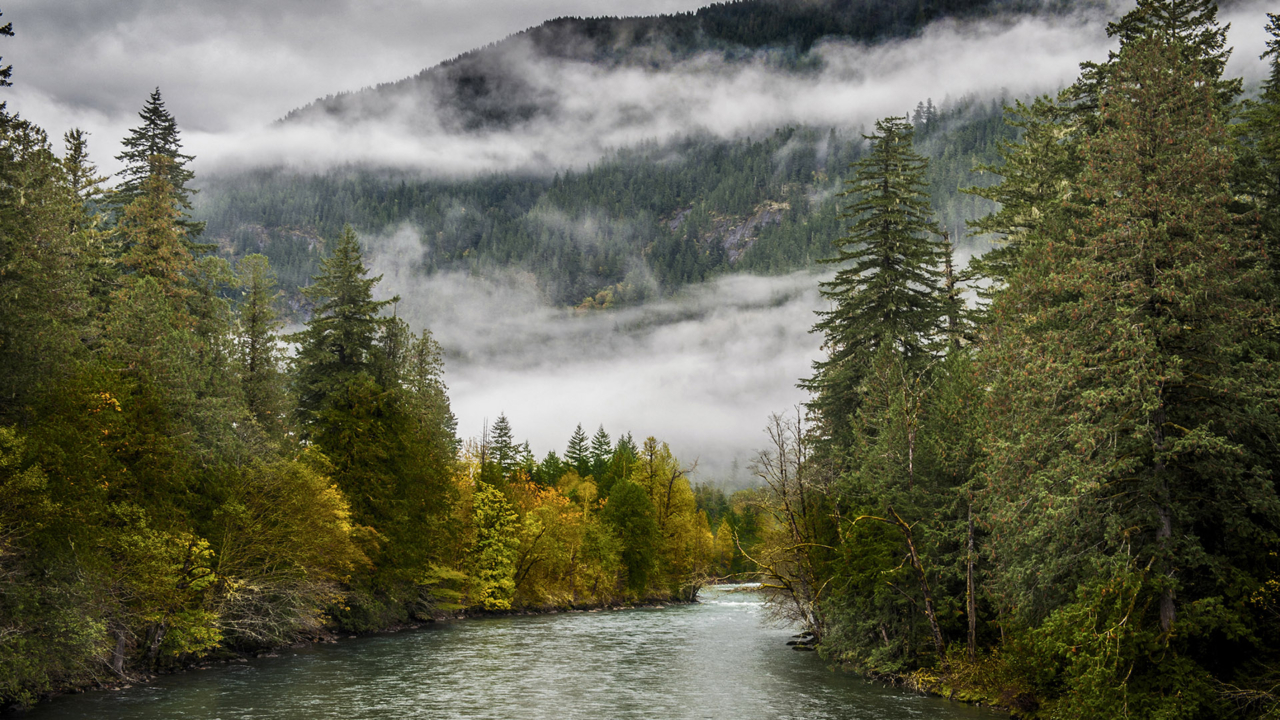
[(971, 602), (117, 655), (929, 612), (157, 636)]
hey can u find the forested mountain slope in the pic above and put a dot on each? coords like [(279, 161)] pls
[(642, 221)]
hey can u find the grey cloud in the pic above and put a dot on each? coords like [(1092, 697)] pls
[(702, 370), (596, 108), (229, 64), (228, 68)]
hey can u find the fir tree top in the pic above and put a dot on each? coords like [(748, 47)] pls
[(338, 341), (157, 135), (577, 453)]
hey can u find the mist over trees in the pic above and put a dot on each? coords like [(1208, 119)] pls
[(1045, 481)]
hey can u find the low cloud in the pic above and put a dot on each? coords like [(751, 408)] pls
[(590, 109), (702, 370), (91, 64)]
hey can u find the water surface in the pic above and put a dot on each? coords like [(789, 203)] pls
[(713, 659)]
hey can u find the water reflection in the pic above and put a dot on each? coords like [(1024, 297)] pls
[(710, 660)]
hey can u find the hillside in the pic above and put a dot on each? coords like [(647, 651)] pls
[(646, 218), (487, 87)]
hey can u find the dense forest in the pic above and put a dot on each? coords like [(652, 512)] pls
[(172, 486), (1059, 499)]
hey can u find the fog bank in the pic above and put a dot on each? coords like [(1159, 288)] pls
[(702, 371)]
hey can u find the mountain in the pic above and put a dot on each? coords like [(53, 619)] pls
[(645, 218), (487, 88)]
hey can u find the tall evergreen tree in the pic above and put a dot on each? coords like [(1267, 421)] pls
[(502, 446), (601, 451), (889, 288), (156, 136), (1191, 26), (339, 342), (43, 276), (153, 240), (578, 453)]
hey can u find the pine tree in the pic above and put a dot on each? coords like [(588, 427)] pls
[(889, 289), (43, 274), (153, 240), (1191, 26), (601, 451), (427, 398), (1038, 174), (156, 136), (502, 446), (577, 455), (549, 470)]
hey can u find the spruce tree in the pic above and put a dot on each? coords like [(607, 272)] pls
[(578, 455), (601, 451), (156, 136), (153, 241), (339, 342), (1190, 26), (889, 288), (502, 446)]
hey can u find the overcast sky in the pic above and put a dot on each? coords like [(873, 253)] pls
[(704, 370)]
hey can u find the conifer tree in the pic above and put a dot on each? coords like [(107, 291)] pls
[(502, 446), (258, 344), (601, 451), (889, 288), (578, 454), (154, 244), (43, 276), (338, 343), (1191, 26), (549, 470), (156, 136), (1038, 173), (428, 399)]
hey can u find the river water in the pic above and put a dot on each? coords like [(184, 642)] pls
[(712, 659)]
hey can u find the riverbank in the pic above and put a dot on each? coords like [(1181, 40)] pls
[(966, 682), (717, 657)]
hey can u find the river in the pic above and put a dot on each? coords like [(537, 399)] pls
[(711, 659)]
